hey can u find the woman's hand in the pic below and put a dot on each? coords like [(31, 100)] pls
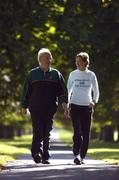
[(92, 104), (64, 106)]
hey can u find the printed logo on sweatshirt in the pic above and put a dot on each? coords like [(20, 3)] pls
[(82, 83)]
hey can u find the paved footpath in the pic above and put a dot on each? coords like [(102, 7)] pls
[(61, 167)]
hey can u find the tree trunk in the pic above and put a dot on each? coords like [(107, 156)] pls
[(6, 131), (94, 134), (106, 133)]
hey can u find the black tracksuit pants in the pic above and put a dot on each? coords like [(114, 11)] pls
[(81, 121), (42, 125)]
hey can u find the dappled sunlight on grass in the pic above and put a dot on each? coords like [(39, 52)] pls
[(23, 141), (4, 159), (10, 149), (104, 150), (110, 155)]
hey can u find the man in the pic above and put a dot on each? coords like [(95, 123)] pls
[(43, 87), (83, 95)]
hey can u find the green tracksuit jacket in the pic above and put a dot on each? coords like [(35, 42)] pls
[(42, 91)]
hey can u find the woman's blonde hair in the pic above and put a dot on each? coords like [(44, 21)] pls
[(85, 57), (42, 51)]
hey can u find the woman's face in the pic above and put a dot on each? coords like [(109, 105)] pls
[(80, 63), (45, 60)]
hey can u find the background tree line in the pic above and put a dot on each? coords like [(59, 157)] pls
[(66, 27)]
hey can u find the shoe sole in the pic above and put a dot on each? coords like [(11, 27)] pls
[(45, 162)]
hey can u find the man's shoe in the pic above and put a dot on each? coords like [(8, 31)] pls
[(77, 161), (46, 155), (44, 161), (37, 158)]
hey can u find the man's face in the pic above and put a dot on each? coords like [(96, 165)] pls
[(45, 60)]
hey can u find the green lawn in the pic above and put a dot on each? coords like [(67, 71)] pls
[(11, 149), (98, 149), (109, 152)]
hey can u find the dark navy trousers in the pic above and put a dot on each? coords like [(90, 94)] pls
[(81, 120), (42, 125)]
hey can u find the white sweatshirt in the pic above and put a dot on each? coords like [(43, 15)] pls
[(82, 87)]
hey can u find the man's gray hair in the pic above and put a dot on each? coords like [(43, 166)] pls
[(42, 51)]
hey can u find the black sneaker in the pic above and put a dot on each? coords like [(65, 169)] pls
[(77, 161), (44, 161), (37, 158)]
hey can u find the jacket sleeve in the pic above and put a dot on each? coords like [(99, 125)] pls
[(69, 86), (62, 89), (26, 92)]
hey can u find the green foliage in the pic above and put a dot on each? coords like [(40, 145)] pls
[(66, 28), (89, 26)]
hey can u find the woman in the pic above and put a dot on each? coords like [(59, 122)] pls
[(83, 93)]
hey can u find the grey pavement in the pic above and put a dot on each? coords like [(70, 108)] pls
[(61, 167)]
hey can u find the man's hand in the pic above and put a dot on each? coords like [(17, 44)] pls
[(64, 106), (23, 111)]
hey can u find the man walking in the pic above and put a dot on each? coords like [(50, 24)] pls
[(43, 88)]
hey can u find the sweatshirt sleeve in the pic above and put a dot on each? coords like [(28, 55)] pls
[(69, 86), (26, 92), (62, 90), (95, 88)]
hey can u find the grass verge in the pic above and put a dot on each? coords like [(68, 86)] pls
[(10, 149), (108, 152)]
